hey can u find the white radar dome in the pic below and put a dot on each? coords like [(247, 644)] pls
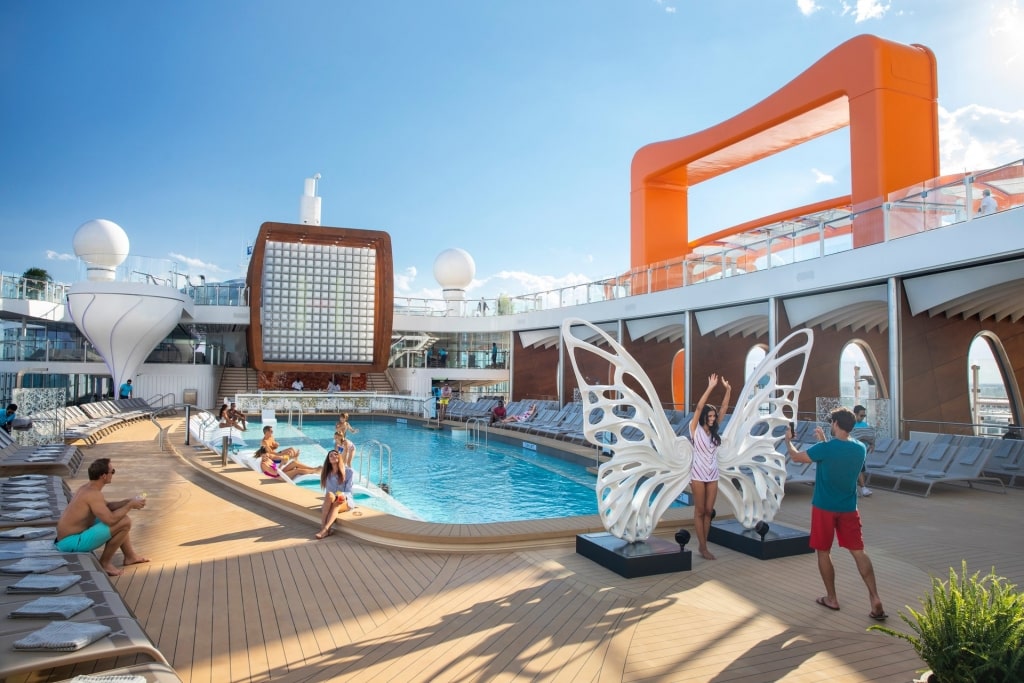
[(103, 245), (454, 269)]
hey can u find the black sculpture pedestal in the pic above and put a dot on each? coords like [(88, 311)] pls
[(780, 541), (632, 560)]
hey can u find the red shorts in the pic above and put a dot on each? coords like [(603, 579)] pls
[(844, 526)]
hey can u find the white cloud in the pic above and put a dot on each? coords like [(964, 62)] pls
[(865, 9), (976, 137), (807, 7), (404, 280), (58, 256), (822, 178), (670, 10), (196, 265)]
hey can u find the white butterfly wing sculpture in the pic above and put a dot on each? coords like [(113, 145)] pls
[(752, 473), (651, 465)]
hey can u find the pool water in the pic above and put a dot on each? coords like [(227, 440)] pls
[(436, 477)]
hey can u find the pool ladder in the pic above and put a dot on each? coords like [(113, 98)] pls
[(477, 430), (383, 462)]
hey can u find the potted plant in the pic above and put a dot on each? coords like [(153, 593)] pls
[(970, 630)]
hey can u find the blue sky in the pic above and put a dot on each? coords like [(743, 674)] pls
[(503, 128)]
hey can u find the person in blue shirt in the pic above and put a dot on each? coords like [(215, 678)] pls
[(7, 419), (834, 505), (864, 433), (126, 390)]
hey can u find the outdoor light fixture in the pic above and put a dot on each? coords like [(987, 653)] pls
[(682, 538), (762, 529)]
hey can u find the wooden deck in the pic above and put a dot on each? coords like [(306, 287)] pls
[(238, 589)]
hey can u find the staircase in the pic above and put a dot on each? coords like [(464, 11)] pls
[(379, 382), (237, 381)]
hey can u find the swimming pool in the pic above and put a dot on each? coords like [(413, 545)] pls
[(437, 477)]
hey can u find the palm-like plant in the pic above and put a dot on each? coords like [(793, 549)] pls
[(36, 280), (970, 629)]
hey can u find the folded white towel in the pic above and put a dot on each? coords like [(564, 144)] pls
[(62, 636), (24, 515), (23, 494), (114, 678), (53, 607), (22, 533), (34, 565), (44, 583), (25, 505)]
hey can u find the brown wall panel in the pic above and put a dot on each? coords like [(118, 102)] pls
[(534, 372)]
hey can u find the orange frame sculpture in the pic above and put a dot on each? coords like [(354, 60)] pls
[(885, 92)]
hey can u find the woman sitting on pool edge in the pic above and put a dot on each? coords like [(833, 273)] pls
[(293, 468), (333, 478), (522, 417)]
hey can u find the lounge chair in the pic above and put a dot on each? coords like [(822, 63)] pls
[(126, 637), (901, 462), (965, 468), (1005, 460), (936, 458)]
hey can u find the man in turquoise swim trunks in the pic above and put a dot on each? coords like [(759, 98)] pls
[(89, 521)]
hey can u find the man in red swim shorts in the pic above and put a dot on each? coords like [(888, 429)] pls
[(834, 505)]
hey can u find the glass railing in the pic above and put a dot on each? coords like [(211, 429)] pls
[(44, 351), (927, 206), (17, 287)]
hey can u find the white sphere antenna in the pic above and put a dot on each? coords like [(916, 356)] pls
[(103, 245)]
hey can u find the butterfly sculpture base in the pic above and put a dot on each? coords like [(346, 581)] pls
[(633, 560), (780, 541)]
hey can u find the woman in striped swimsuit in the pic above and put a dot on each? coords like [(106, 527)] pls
[(704, 482)]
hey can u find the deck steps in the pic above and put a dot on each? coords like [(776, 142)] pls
[(235, 381)]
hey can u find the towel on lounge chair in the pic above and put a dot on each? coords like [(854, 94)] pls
[(24, 515), (28, 477), (34, 565), (53, 607), (113, 678), (21, 494), (62, 636), (43, 583), (23, 533), (25, 505)]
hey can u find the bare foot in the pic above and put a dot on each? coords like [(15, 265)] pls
[(135, 560), (706, 554), (111, 570), (320, 535)]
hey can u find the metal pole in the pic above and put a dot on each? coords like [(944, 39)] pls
[(224, 451), (188, 422)]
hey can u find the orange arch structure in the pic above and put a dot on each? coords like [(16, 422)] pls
[(884, 91)]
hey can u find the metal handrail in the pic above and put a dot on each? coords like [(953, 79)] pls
[(366, 464), (478, 430)]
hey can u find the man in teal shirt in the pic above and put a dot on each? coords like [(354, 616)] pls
[(126, 390), (834, 505)]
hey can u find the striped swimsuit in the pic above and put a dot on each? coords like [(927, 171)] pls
[(705, 456)]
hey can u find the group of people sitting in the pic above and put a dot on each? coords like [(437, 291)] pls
[(336, 474), (230, 416)]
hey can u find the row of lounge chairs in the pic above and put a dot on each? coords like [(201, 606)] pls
[(949, 459), (549, 420), (61, 609), (89, 422), (55, 459), (914, 466)]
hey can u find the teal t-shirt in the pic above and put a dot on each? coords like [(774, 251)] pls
[(835, 482)]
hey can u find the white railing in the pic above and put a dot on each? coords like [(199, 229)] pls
[(300, 403)]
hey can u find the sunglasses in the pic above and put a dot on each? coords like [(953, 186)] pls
[(112, 471)]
